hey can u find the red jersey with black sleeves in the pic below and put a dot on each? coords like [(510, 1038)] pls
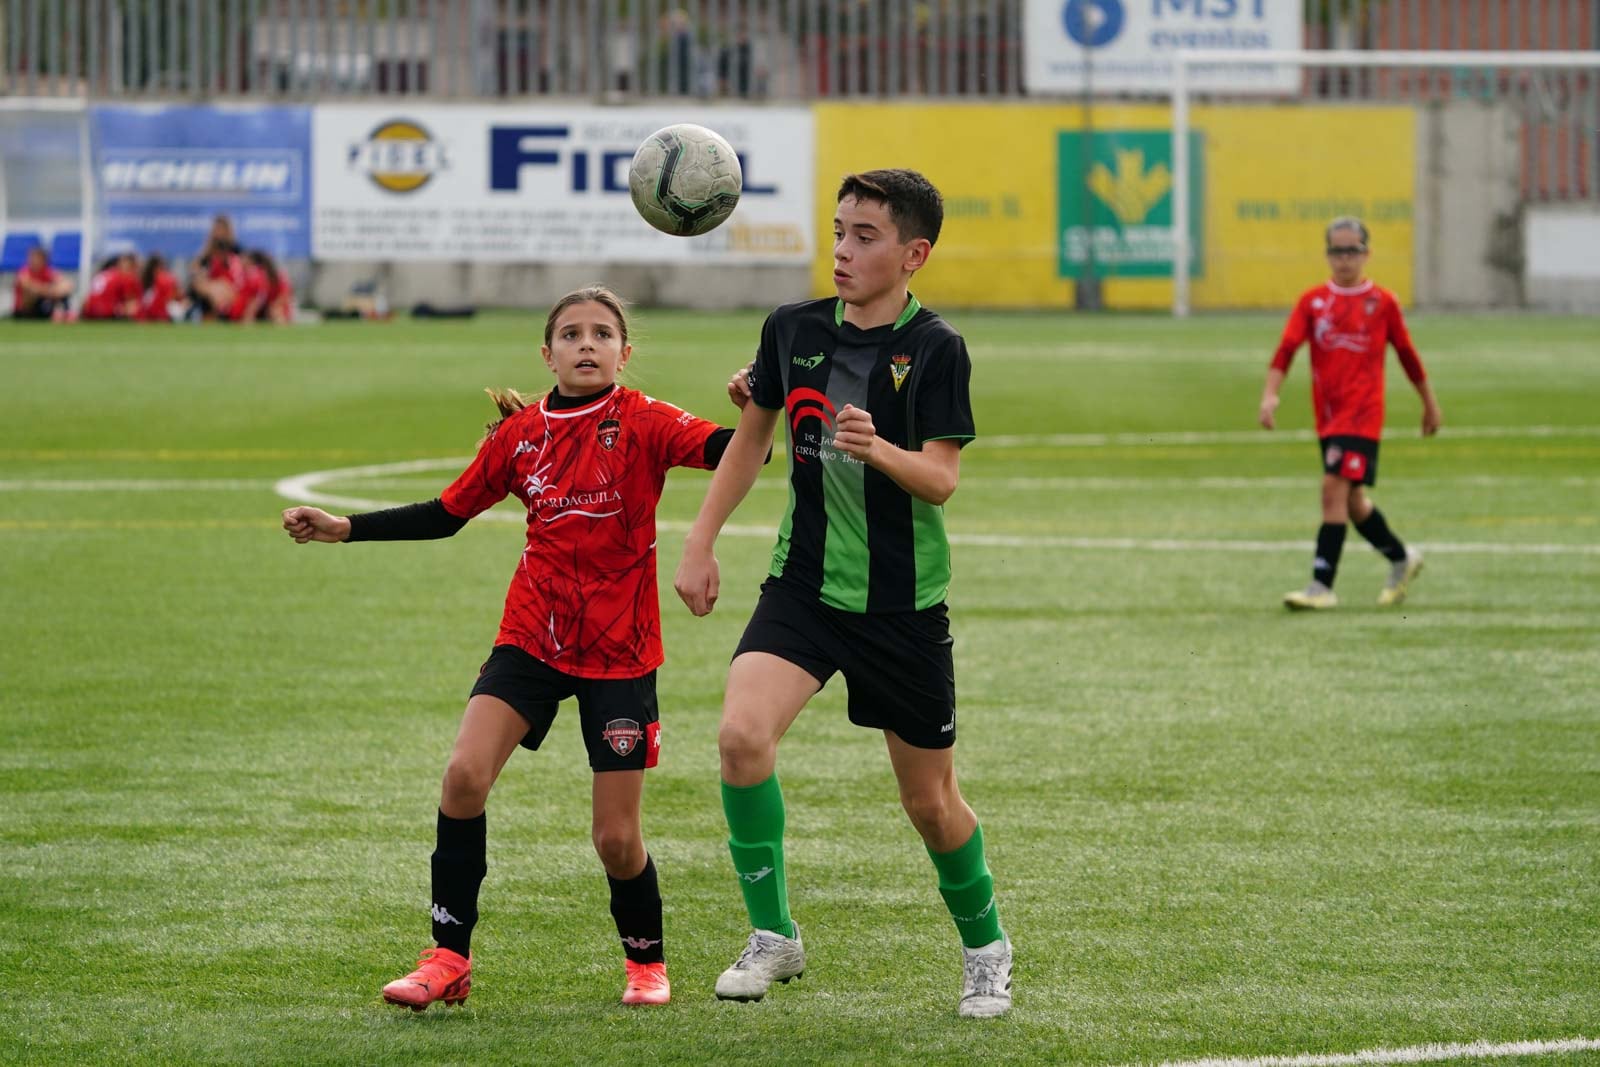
[(1349, 330), (583, 599)]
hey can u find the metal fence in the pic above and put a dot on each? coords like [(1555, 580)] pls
[(630, 49), (792, 50)]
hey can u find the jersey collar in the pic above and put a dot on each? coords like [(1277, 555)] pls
[(1356, 290), (913, 305)]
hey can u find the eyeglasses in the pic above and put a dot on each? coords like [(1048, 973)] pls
[(1346, 250)]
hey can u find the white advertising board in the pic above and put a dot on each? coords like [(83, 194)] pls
[(1123, 46), (543, 185)]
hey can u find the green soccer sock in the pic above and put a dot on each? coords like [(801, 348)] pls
[(755, 839), (968, 891)]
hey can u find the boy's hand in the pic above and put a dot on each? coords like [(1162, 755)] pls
[(854, 434), (697, 580), (314, 524), (739, 386)]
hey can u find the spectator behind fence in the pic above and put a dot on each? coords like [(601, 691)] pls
[(40, 292), (162, 300), (115, 291)]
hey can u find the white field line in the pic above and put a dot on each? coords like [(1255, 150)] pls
[(777, 484), (1475, 1050), (1264, 437), (305, 489), (132, 485)]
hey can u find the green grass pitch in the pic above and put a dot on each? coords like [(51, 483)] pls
[(1216, 829)]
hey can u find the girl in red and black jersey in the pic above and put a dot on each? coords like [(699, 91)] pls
[(1350, 323), (276, 294), (588, 461), (115, 291), (161, 298)]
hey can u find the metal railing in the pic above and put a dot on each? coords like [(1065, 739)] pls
[(635, 49)]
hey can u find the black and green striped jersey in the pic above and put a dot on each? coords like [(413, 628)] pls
[(851, 536)]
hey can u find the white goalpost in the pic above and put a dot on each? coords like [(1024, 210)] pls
[(47, 179), (1184, 88)]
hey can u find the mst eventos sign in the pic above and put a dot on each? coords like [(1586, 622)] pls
[(1128, 45), (548, 185)]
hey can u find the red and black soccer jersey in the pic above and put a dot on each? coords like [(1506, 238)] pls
[(110, 293), (583, 599), (20, 301), (852, 537), (1349, 330)]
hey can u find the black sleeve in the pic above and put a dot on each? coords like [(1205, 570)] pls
[(766, 373), (717, 444), (410, 522), (943, 401)]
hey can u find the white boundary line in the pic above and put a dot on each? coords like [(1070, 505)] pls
[(305, 489), (1087, 483), (1475, 1050), (1265, 437)]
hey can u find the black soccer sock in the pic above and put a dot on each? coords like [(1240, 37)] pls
[(1330, 543), (636, 907), (459, 864), (1376, 530)]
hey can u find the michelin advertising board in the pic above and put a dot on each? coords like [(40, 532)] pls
[(164, 172), (547, 185)]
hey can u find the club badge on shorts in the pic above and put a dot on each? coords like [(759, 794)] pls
[(608, 432), (623, 735), (1331, 457)]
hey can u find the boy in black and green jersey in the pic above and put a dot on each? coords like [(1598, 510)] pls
[(873, 388)]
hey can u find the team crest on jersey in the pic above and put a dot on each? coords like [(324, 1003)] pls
[(1371, 305), (609, 431), (899, 367), (623, 735)]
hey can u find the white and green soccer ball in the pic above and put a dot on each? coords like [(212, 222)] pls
[(685, 179)]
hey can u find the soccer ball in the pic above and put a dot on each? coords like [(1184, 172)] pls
[(685, 180)]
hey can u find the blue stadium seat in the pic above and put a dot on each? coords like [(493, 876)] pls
[(14, 253), (65, 247)]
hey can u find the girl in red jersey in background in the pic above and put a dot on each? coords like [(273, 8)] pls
[(115, 291), (277, 295), (161, 291), (40, 292), (588, 460), (1350, 322)]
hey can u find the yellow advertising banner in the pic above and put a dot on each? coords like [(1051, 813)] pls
[(1036, 198)]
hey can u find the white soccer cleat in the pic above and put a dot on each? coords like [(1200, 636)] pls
[(767, 958), (986, 986), (1401, 575), (1314, 597)]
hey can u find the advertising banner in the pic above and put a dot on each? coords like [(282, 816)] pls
[(163, 173), (1115, 189), (543, 185), (1024, 187), (1121, 46)]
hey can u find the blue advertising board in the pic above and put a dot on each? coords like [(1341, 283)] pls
[(163, 173)]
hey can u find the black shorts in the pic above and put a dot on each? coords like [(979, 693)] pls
[(620, 722), (1354, 459), (43, 308), (898, 667)]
